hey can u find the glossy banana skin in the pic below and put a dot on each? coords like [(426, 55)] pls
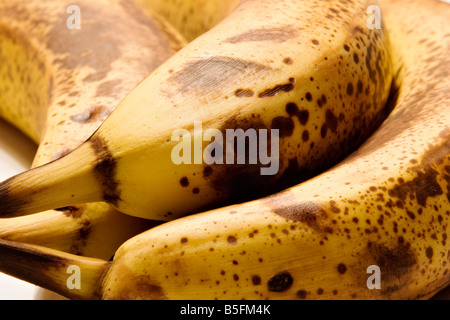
[(324, 92), (58, 85)]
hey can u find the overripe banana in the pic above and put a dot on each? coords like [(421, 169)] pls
[(386, 206), (191, 18), (324, 89), (58, 84)]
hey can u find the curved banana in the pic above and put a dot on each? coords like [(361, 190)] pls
[(387, 206), (323, 89), (191, 18), (58, 84)]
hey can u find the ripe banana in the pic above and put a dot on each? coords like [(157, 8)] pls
[(387, 205), (58, 84), (324, 89), (191, 18)]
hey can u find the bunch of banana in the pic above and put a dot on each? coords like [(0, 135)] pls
[(57, 84), (385, 207), (322, 92)]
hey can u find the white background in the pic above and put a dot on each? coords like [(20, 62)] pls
[(16, 154)]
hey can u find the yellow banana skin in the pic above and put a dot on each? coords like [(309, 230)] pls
[(387, 205), (57, 85), (324, 89), (191, 18)]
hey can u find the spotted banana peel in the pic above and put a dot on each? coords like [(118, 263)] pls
[(386, 205), (58, 85), (324, 89)]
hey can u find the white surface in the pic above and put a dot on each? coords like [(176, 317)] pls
[(16, 154)]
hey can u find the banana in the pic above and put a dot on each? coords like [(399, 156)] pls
[(386, 206), (322, 92), (58, 84), (191, 18)]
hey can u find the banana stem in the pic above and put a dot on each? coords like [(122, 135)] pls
[(68, 181), (51, 229), (74, 277)]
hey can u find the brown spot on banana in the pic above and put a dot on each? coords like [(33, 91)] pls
[(277, 89), (244, 93), (284, 125), (331, 122), (105, 169), (256, 280), (342, 268), (310, 213), (288, 60), (232, 240), (302, 115), (206, 74), (280, 282), (184, 182), (423, 186), (301, 294), (276, 34)]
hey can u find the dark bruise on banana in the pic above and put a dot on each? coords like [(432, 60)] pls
[(60, 84)]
